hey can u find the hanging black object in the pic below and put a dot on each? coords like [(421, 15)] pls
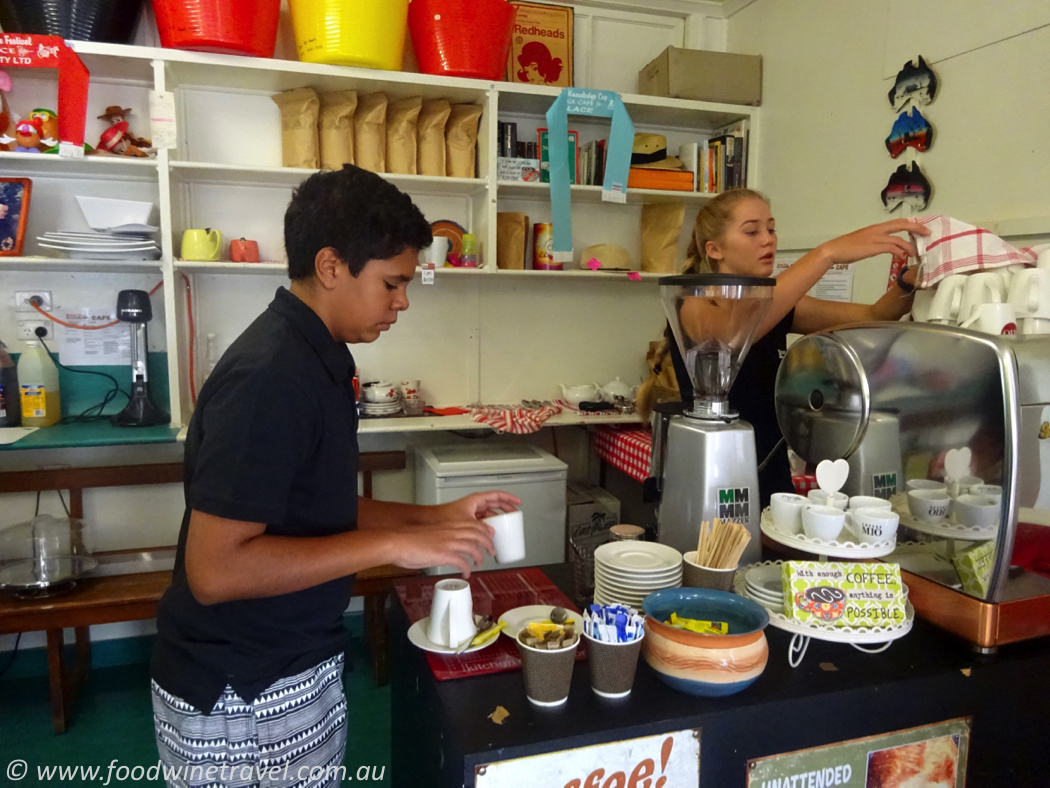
[(110, 21), (914, 83), (907, 185), (133, 306)]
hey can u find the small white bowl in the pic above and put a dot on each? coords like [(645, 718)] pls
[(925, 484), (976, 510), (930, 506), (102, 213), (873, 525), (787, 511), (823, 522), (989, 490), (837, 500), (868, 502)]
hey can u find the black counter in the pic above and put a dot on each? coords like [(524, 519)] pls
[(441, 730)]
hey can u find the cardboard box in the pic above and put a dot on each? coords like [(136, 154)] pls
[(541, 45), (590, 512), (703, 76)]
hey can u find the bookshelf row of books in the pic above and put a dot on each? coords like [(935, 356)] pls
[(720, 162)]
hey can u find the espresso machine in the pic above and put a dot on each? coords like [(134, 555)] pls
[(902, 398), (704, 462)]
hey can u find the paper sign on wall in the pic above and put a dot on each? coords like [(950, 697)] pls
[(928, 755), (665, 760), (102, 347), (835, 285)]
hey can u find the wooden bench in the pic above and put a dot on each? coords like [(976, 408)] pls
[(134, 597)]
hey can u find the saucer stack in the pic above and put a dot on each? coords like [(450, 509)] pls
[(389, 408), (103, 245), (763, 584), (627, 572)]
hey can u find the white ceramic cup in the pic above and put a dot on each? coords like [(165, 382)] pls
[(1030, 293), (509, 540), (820, 498), (976, 510), (436, 253), (997, 319), (823, 522), (926, 484), (1035, 325), (873, 525), (920, 305), (381, 392), (947, 298), (988, 490), (409, 389), (985, 287), (929, 506), (787, 511), (962, 485), (451, 614), (868, 502)]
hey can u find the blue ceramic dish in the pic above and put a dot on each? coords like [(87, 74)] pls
[(697, 664)]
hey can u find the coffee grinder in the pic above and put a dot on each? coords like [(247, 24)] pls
[(133, 306), (704, 462)]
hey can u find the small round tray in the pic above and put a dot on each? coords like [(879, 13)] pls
[(820, 547), (65, 569), (833, 634), (946, 529)]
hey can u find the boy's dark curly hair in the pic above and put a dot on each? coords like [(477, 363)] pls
[(355, 212)]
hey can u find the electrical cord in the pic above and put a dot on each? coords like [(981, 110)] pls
[(14, 653), (89, 414)]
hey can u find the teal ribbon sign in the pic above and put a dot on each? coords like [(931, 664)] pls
[(597, 104)]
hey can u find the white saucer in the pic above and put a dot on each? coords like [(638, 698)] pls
[(417, 636), (520, 617), (638, 558)]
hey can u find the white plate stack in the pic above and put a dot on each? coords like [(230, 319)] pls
[(627, 572), (763, 584), (103, 245), (381, 408)]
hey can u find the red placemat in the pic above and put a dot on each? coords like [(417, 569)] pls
[(494, 593)]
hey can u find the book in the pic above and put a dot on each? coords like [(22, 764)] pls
[(689, 153), (574, 156), (670, 180)]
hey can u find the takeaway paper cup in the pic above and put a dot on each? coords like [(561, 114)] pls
[(612, 666), (548, 674)]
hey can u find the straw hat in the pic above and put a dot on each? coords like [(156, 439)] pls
[(609, 256), (650, 152)]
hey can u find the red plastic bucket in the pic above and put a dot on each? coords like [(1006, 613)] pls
[(234, 27), (462, 38)]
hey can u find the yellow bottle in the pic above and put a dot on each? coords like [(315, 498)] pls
[(38, 381)]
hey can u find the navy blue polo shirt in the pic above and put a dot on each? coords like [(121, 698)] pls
[(273, 440)]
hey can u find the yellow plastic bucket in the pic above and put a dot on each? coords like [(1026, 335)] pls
[(368, 33)]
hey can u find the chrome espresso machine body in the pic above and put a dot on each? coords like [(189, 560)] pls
[(895, 398), (703, 456)]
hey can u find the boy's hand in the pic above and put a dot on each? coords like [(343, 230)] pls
[(444, 543), (478, 506)]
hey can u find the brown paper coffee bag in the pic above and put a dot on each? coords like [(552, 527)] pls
[(661, 225), (401, 120), (299, 143), (370, 132), (461, 140), (430, 135), (512, 230), (337, 128)]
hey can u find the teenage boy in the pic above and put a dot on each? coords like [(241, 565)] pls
[(248, 661)]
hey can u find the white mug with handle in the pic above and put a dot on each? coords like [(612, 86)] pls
[(947, 298), (985, 287), (1030, 293), (998, 319)]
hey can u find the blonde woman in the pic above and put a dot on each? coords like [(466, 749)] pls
[(735, 233)]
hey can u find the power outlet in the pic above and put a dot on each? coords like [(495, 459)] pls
[(23, 300), (27, 329)]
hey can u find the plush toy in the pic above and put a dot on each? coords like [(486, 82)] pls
[(117, 116), (29, 137), (48, 123)]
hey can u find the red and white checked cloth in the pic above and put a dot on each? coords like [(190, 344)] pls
[(954, 247), (519, 421), (626, 449)]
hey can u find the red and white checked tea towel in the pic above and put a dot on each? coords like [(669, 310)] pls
[(626, 449), (954, 247), (519, 421)]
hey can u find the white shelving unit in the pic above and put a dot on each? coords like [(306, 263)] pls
[(228, 157)]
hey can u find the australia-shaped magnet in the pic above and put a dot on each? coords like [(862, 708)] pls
[(908, 185), (910, 129), (914, 83)]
